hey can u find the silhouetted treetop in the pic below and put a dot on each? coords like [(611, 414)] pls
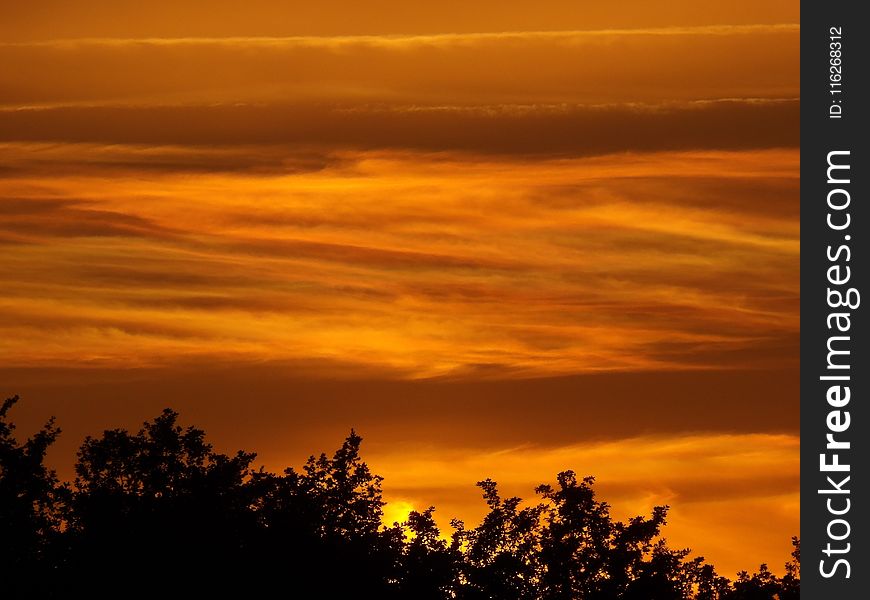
[(30, 503), (159, 513)]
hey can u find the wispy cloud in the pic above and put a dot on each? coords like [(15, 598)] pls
[(580, 67), (432, 267), (406, 40)]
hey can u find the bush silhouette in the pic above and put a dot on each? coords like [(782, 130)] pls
[(159, 514)]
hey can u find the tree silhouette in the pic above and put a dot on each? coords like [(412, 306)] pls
[(324, 527), (30, 500), (502, 559), (158, 501), (430, 567), (159, 513)]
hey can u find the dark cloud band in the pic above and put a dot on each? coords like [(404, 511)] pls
[(551, 130)]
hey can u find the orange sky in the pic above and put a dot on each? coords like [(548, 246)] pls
[(499, 241)]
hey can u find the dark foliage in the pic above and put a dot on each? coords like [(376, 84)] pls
[(160, 514)]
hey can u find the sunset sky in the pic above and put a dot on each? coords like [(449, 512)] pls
[(498, 239)]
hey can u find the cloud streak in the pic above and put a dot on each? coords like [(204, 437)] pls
[(575, 67), (431, 268)]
